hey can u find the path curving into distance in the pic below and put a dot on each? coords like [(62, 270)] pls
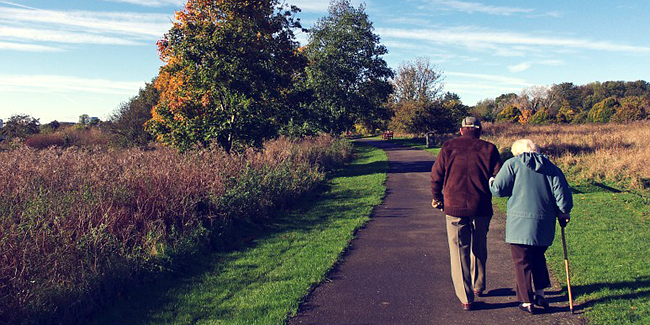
[(396, 271)]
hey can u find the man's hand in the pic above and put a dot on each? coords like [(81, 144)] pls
[(437, 204), (563, 219), (490, 181)]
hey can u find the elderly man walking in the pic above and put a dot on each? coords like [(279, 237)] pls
[(459, 185)]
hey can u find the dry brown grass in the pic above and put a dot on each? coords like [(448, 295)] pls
[(73, 219), (609, 153)]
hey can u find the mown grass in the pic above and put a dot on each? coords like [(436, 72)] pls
[(607, 243), (417, 143), (264, 281)]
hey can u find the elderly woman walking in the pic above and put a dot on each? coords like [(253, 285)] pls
[(539, 193)]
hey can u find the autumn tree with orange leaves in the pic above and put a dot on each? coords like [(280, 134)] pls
[(228, 74)]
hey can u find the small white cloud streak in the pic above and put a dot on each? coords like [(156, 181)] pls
[(482, 85), (135, 24), (526, 65), (487, 39), (492, 78), (16, 4), (9, 46), (26, 29), (472, 7), (41, 35), (519, 67), (65, 84), (151, 3)]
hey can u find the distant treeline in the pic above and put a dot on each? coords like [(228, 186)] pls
[(599, 102)]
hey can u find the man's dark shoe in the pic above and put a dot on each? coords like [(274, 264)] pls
[(541, 301), (468, 306), (479, 293), (529, 309)]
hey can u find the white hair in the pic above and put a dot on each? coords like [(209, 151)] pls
[(523, 145)]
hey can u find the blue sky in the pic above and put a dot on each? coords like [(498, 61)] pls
[(60, 59)]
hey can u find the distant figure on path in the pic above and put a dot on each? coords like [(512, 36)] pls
[(538, 194), (459, 185)]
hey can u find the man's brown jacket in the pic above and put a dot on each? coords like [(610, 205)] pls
[(459, 177)]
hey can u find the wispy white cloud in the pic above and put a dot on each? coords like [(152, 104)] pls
[(473, 38), (151, 3), (519, 67), (41, 35), (480, 89), (481, 8), (27, 47), (527, 65), (53, 84), (135, 24), (16, 4), (472, 7), (492, 78), (483, 85), (37, 26)]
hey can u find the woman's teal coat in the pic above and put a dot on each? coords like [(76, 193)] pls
[(538, 193)]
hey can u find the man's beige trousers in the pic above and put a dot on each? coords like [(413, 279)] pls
[(467, 238)]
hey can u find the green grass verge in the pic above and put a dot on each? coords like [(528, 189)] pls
[(275, 268), (607, 243), (417, 143)]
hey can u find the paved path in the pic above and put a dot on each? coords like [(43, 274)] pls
[(397, 269)]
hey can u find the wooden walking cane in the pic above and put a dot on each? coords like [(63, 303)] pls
[(566, 264)]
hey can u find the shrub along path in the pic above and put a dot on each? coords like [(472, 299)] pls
[(397, 269)]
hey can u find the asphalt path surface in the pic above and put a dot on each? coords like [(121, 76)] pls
[(396, 270)]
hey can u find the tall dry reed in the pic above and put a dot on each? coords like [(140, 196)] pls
[(609, 153), (77, 223)]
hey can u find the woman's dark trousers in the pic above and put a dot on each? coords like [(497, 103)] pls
[(530, 267)]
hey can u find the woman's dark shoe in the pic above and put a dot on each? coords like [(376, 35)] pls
[(529, 309), (468, 307), (541, 301)]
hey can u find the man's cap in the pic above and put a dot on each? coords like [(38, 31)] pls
[(471, 122)]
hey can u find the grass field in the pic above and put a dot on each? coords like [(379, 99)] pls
[(264, 280), (607, 243)]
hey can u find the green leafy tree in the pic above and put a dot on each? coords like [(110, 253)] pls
[(84, 119), (509, 114), (346, 71), (418, 103), (127, 122), (50, 127), (540, 117), (566, 113), (602, 111), (440, 115), (417, 81), (485, 110), (453, 112), (228, 74), (20, 126), (631, 108), (637, 88)]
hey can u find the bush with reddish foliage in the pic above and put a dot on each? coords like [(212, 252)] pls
[(43, 141)]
